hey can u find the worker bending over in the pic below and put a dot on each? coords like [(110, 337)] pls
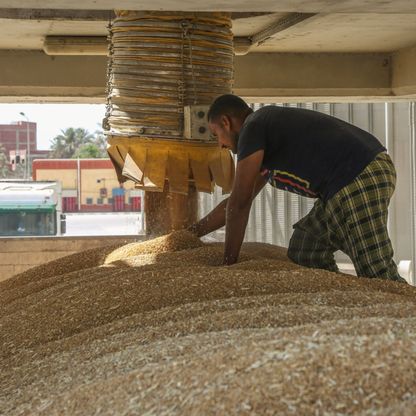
[(315, 155)]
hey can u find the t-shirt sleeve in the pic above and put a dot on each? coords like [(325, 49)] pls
[(252, 138)]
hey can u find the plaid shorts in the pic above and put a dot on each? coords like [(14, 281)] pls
[(354, 221)]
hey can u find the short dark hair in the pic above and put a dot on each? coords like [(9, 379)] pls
[(229, 105)]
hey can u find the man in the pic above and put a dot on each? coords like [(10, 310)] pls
[(315, 155)]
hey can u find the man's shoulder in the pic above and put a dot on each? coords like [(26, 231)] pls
[(262, 115), (267, 110)]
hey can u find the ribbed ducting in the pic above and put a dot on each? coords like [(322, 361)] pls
[(161, 62)]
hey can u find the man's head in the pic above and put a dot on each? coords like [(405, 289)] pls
[(225, 119)]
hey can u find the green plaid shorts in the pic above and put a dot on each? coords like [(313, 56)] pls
[(354, 221)]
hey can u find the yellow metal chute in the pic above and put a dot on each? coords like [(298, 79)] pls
[(150, 162)]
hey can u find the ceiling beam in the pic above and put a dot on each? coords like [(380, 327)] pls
[(57, 14), (300, 6), (314, 76), (280, 25), (85, 15), (404, 72), (33, 76), (243, 45)]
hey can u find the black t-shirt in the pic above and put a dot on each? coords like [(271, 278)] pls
[(307, 152)]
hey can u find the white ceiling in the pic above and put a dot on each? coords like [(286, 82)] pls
[(338, 26), (370, 32), (303, 6)]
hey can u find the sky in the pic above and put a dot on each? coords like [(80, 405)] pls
[(52, 118)]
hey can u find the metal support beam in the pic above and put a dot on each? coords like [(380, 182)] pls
[(280, 25), (315, 6), (318, 76), (57, 14), (34, 76), (403, 72), (242, 45)]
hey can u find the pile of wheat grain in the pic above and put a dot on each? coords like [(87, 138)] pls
[(161, 327)]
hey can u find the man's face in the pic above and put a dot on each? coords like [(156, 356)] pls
[(225, 131)]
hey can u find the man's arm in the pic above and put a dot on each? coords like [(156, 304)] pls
[(239, 204), (213, 221), (216, 218)]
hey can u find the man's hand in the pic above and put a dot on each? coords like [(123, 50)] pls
[(212, 222), (247, 184)]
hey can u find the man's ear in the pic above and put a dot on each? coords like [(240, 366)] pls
[(225, 121), (236, 123)]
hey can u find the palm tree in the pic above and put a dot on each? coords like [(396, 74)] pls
[(66, 144), (101, 141), (89, 151)]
